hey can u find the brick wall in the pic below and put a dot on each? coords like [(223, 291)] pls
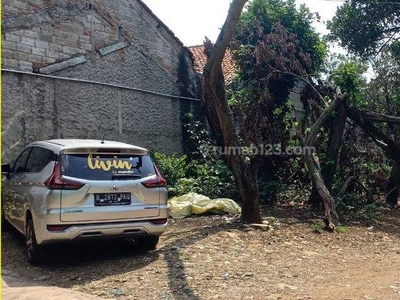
[(111, 42), (38, 33)]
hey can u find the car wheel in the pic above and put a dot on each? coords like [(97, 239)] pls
[(147, 242), (33, 250)]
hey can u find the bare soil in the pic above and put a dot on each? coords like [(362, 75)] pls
[(215, 257)]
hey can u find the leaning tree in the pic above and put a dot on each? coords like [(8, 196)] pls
[(219, 114)]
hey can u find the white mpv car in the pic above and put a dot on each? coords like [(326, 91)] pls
[(64, 190)]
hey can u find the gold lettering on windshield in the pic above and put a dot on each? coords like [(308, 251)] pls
[(106, 165)]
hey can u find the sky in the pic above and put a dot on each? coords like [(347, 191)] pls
[(191, 20)]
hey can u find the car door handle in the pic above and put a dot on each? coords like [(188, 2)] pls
[(30, 183)]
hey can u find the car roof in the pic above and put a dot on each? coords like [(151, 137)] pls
[(68, 145)]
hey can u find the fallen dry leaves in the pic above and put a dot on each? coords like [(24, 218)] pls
[(215, 257)]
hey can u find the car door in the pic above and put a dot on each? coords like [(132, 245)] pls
[(14, 191), (39, 168), (26, 183)]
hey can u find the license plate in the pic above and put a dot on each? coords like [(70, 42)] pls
[(112, 199)]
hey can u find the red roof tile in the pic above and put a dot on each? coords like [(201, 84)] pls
[(228, 63)]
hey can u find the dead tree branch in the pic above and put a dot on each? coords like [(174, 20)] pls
[(349, 181), (313, 165), (378, 136), (374, 117)]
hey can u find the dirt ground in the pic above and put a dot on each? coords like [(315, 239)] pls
[(214, 257)]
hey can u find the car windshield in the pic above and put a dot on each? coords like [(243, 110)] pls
[(106, 166)]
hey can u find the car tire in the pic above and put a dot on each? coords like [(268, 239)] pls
[(148, 242), (34, 251)]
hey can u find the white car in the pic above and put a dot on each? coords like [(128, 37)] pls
[(64, 190)]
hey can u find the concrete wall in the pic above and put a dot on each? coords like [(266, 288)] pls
[(38, 108), (111, 42)]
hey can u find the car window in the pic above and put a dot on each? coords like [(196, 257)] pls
[(106, 166), (20, 164), (38, 159)]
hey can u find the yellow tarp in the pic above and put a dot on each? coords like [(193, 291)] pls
[(192, 203)]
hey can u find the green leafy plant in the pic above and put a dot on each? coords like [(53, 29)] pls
[(356, 206), (342, 229), (198, 171), (269, 190), (172, 167), (210, 178), (371, 213), (317, 227)]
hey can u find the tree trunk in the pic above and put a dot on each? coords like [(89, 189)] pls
[(313, 164), (334, 143), (249, 192), (315, 199), (327, 199), (329, 165), (393, 186), (221, 119), (349, 181), (379, 118)]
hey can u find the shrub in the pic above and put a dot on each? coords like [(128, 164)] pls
[(197, 171), (172, 167), (210, 177), (317, 227), (357, 206)]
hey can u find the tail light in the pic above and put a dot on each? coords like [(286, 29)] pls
[(57, 182), (159, 181)]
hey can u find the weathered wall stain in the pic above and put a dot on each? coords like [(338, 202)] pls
[(65, 38), (65, 109)]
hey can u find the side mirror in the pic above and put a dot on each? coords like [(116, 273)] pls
[(5, 170)]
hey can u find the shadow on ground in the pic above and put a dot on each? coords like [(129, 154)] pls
[(71, 265), (78, 262)]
